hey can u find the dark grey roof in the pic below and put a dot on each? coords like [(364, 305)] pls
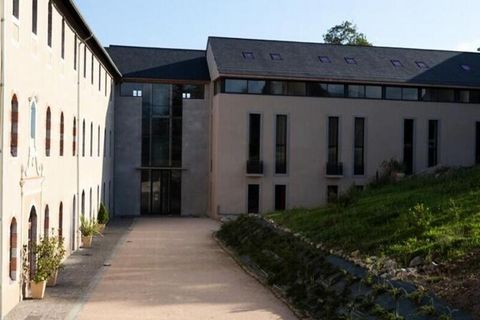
[(160, 64), (301, 60)]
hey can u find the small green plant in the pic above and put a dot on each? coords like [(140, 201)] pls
[(46, 255), (420, 216), (103, 216), (58, 253), (428, 309), (88, 227), (417, 296)]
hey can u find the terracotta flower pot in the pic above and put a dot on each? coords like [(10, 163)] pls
[(87, 241), (38, 289), (52, 281)]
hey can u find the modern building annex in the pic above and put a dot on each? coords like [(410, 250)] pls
[(243, 126)]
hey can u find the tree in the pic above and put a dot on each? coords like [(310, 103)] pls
[(346, 34)]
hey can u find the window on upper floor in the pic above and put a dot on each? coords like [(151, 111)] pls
[(99, 77), (324, 59), (60, 222), (92, 68), (193, 91), (131, 89), (396, 63), (350, 60), (83, 138), (14, 127), (276, 56), (421, 64), (16, 8), (34, 16), (91, 139), (63, 40), (49, 24), (48, 132), (248, 55), (84, 61), (98, 142), (75, 52), (62, 133), (74, 140)]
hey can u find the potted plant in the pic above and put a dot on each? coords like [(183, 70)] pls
[(88, 228), (57, 258), (102, 217), (44, 252)]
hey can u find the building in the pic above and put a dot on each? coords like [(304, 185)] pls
[(243, 126)]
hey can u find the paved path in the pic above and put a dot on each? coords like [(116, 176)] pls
[(172, 269)]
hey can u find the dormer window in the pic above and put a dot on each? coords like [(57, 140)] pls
[(466, 67), (396, 63), (324, 59), (350, 60), (276, 56), (421, 64), (248, 55)]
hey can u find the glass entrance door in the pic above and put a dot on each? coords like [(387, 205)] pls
[(161, 192)]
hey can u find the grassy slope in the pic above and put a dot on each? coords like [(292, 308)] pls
[(387, 221)]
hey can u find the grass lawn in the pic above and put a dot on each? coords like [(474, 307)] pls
[(435, 216)]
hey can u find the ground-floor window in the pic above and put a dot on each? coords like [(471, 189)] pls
[(253, 204), (13, 250), (280, 197)]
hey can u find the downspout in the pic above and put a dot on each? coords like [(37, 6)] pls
[(2, 153), (79, 129)]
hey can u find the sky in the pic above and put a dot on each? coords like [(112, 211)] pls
[(430, 24)]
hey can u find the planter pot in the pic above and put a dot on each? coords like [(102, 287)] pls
[(52, 281), (87, 241), (101, 227), (38, 289)]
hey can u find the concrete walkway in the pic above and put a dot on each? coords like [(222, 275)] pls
[(172, 269)]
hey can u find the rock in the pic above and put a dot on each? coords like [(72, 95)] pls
[(417, 261)]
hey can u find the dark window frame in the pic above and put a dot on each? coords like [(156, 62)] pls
[(50, 24), (253, 198), (16, 9), (62, 53), (35, 17), (280, 197), (433, 143), (359, 147), (281, 144)]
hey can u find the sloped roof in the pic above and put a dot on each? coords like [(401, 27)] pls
[(158, 63), (373, 64)]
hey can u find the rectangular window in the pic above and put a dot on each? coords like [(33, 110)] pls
[(410, 94), (373, 92), (408, 143), (393, 93), (333, 123), (34, 16), (84, 60), (16, 9), (236, 86), (193, 91), (49, 26), (432, 143), (296, 89), (75, 52), (254, 137), (278, 88), (130, 89), (257, 87), (280, 197), (253, 198), (281, 145), (99, 77), (438, 95), (63, 39), (336, 90), (332, 194), (359, 151), (356, 91), (477, 143), (315, 89), (92, 69)]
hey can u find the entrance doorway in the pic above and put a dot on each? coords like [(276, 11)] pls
[(161, 192), (32, 241)]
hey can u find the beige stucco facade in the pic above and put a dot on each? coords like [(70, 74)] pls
[(40, 78)]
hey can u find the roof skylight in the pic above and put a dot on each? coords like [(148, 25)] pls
[(421, 64), (397, 63), (466, 67), (350, 60), (276, 56), (324, 59), (248, 55)]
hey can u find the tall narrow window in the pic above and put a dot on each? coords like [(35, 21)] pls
[(46, 222), (14, 127), (75, 52), (253, 199), (477, 143), (83, 138), (90, 207), (408, 142), (333, 140), (432, 143), (13, 250), (99, 77), (105, 142), (48, 132), (60, 221), (106, 78), (280, 197), (254, 165), (91, 139), (82, 207), (92, 69), (84, 60), (98, 142), (63, 40), (359, 151), (74, 140), (62, 133), (281, 145), (49, 24), (16, 8), (34, 16)]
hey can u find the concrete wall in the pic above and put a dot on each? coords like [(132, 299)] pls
[(128, 154), (36, 73), (195, 155), (307, 150)]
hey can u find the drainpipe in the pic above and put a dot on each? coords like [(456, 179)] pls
[(2, 153)]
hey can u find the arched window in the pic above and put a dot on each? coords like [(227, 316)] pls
[(48, 132), (83, 204), (60, 221), (74, 224), (62, 131), (74, 141), (98, 142), (91, 213), (14, 127), (91, 139), (33, 124), (13, 250), (49, 24), (46, 222), (83, 138), (16, 8), (98, 198)]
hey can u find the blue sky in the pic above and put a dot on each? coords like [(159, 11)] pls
[(434, 24)]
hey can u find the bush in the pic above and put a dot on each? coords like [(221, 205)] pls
[(389, 170), (88, 227), (103, 216), (47, 256)]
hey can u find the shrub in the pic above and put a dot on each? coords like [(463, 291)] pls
[(88, 227), (103, 216), (388, 172), (47, 256)]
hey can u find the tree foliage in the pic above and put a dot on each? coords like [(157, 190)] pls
[(346, 34)]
